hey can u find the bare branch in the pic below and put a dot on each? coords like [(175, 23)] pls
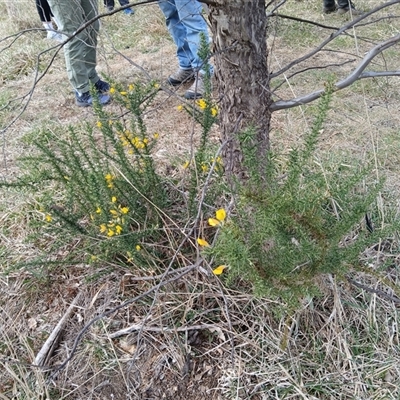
[(52, 341), (310, 69), (344, 28), (381, 293), (350, 79)]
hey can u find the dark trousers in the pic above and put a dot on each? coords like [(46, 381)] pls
[(43, 10), (330, 4), (111, 3)]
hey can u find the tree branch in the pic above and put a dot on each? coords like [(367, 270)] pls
[(350, 79), (344, 28)]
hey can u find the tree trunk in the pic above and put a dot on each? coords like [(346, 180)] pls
[(241, 71)]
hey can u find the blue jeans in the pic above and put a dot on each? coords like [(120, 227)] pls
[(185, 23)]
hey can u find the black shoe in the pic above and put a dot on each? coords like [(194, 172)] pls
[(101, 86), (86, 99), (327, 10)]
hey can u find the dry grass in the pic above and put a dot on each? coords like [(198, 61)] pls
[(194, 338)]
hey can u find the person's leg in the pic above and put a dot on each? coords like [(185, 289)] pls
[(109, 4), (90, 10), (71, 14), (329, 6), (45, 16), (178, 33), (191, 18), (44, 10), (345, 4), (129, 10)]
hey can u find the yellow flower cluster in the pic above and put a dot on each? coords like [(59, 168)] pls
[(205, 167), (128, 140), (109, 179), (203, 105), (219, 219), (115, 224)]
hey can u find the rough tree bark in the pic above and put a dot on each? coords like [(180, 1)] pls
[(241, 69)]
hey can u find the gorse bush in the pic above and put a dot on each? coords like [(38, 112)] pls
[(296, 222), (98, 184), (112, 194), (286, 226)]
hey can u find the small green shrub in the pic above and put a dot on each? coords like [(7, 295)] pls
[(98, 185), (305, 221)]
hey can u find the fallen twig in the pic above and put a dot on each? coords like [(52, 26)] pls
[(381, 293), (52, 341), (142, 327)]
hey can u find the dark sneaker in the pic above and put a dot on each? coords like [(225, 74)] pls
[(342, 11), (327, 10), (181, 76), (196, 91), (86, 99), (101, 86), (129, 11)]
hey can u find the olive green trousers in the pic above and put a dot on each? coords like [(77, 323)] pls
[(80, 51)]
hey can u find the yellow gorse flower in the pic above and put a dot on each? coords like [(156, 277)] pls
[(48, 218), (220, 216), (213, 222), (112, 90), (124, 210), (214, 111), (113, 199), (99, 124), (180, 107), (202, 103), (201, 242), (219, 270), (109, 179)]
